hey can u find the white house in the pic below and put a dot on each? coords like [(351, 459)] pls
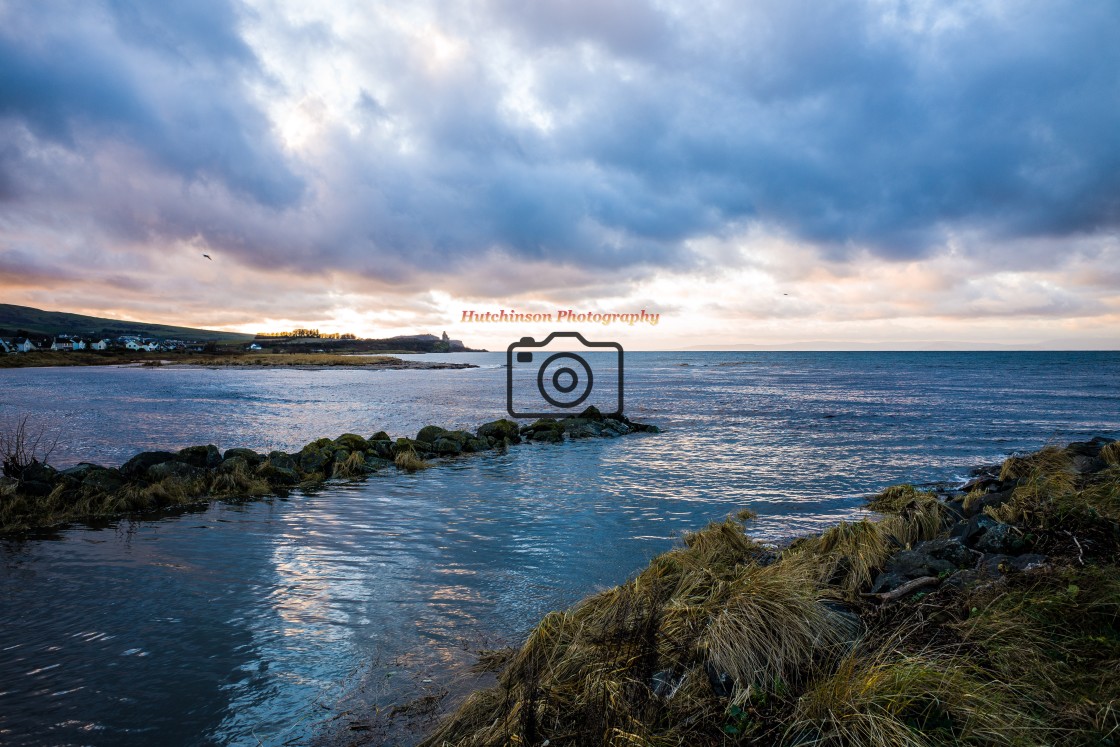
[(135, 345), (78, 344), (5, 346), (25, 346), (61, 344), (254, 346), (99, 345)]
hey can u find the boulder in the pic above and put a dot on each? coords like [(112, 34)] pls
[(373, 464), (446, 446), (591, 413), (250, 456), (35, 488), (975, 503), (1002, 538), (496, 431), (999, 563), (138, 465), (382, 448), (277, 475), (582, 427), (949, 549), (314, 459), (176, 469), (38, 472), (103, 480), (968, 532), (352, 442), (380, 436), (203, 457), (429, 433), (79, 471), (407, 444), (281, 460), (915, 564), (234, 464)]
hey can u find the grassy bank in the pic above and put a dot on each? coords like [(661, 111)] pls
[(46, 358), (228, 359), (988, 616), (34, 494)]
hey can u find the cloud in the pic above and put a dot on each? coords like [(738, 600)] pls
[(563, 147)]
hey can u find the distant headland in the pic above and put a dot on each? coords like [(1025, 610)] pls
[(32, 337)]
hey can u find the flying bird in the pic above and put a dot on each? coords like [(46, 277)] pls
[(208, 257)]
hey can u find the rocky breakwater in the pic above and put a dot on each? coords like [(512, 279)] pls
[(34, 494), (982, 615)]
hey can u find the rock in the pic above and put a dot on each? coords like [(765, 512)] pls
[(102, 480), (281, 460), (914, 564), (382, 448), (581, 427), (277, 475), (618, 425), (1001, 538), (429, 433), (476, 444), (380, 436), (885, 582), (999, 563), (80, 471), (250, 456), (138, 465), (545, 429), (591, 413), (352, 442), (38, 472), (203, 457), (498, 430), (446, 446), (234, 464), (722, 683), (178, 470), (407, 444), (665, 683), (35, 488), (313, 459), (1086, 465), (968, 532), (373, 464), (985, 482), (1091, 449), (949, 549), (976, 503)]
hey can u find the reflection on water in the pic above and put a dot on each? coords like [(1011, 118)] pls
[(246, 624)]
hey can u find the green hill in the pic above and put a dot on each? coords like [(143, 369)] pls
[(36, 321)]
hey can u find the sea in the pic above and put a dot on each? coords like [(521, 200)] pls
[(305, 618)]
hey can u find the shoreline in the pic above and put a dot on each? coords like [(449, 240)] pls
[(35, 496), (248, 361), (985, 614)]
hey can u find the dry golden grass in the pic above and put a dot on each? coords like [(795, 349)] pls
[(282, 360), (354, 465), (410, 461), (848, 555), (1055, 636), (894, 699), (1111, 454)]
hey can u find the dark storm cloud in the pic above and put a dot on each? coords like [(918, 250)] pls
[(882, 127), (166, 80)]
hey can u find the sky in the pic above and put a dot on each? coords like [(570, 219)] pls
[(777, 172)]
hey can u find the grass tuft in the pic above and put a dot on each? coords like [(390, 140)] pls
[(890, 698), (409, 461)]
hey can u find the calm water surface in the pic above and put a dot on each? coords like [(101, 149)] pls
[(248, 624)]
